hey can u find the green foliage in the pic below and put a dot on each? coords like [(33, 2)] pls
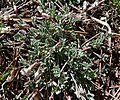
[(59, 61), (3, 76), (116, 3)]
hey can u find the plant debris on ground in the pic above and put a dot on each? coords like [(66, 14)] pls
[(59, 50)]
